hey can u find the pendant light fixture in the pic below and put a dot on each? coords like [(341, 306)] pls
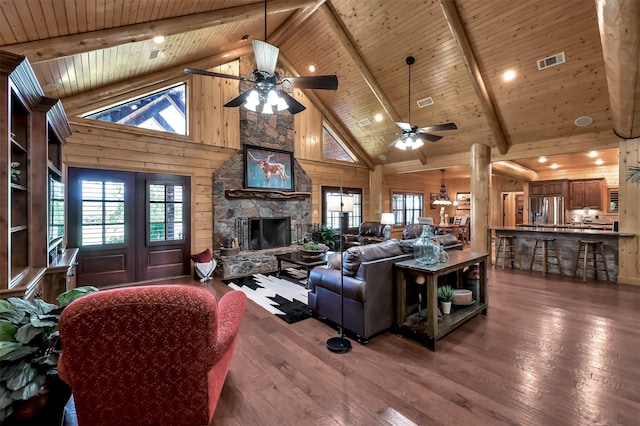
[(443, 198)]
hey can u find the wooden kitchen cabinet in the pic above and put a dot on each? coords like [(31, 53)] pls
[(546, 188), (586, 193)]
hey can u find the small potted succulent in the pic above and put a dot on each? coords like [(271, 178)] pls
[(445, 295), (29, 350)]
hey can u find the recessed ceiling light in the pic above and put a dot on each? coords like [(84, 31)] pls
[(585, 120), (599, 161), (382, 157), (245, 37), (378, 117), (593, 154), (158, 39), (509, 75), (542, 159), (312, 68), (554, 165)]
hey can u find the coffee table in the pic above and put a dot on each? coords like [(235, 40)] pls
[(296, 258)]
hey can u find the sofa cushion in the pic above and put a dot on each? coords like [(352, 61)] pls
[(354, 256), (334, 261)]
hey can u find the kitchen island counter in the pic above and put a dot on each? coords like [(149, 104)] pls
[(568, 245)]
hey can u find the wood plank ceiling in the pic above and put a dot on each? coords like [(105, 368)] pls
[(84, 46)]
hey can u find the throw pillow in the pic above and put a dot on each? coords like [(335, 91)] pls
[(202, 257), (334, 261)]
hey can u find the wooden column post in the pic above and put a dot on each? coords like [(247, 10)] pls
[(629, 214), (480, 190), (375, 195)]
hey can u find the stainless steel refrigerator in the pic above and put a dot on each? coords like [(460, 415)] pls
[(547, 210)]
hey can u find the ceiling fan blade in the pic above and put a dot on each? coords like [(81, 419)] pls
[(428, 137), (406, 127), (326, 82), (215, 74), (438, 127), (294, 106), (266, 56), (236, 102)]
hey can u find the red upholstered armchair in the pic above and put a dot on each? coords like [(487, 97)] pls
[(150, 355)]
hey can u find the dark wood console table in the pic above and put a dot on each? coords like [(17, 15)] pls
[(428, 331)]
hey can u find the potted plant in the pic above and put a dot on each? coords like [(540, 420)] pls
[(445, 295), (312, 250), (326, 235), (30, 347)]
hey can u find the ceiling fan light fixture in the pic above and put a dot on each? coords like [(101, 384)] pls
[(400, 144), (282, 104), (267, 108), (272, 98), (417, 144)]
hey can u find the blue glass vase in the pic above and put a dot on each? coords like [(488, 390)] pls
[(426, 249)]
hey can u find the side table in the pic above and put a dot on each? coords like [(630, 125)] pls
[(429, 332)]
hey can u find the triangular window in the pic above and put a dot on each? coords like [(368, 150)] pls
[(332, 147), (164, 110)]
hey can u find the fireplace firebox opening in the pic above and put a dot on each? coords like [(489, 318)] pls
[(269, 232)]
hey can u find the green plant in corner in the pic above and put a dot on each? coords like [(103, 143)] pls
[(30, 346), (445, 293)]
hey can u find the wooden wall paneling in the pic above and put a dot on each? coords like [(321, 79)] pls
[(629, 211), (109, 149), (328, 174), (308, 138)]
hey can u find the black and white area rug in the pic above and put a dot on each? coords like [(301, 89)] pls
[(285, 297)]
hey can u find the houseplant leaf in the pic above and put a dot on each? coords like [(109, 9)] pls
[(5, 306), (20, 352), (8, 347), (19, 375), (69, 296), (27, 332), (7, 331)]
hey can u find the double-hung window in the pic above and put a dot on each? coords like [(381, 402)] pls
[(407, 207)]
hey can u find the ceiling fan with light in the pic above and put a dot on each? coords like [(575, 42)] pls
[(266, 97), (413, 137)]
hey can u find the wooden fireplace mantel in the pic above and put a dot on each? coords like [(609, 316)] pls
[(266, 194)]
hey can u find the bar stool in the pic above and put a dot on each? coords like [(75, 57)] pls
[(583, 252), (546, 245), (508, 250)]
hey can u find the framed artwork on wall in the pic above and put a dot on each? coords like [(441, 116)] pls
[(464, 200), (432, 198), (266, 168)]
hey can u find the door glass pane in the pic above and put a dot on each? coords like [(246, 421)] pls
[(102, 212), (165, 217)]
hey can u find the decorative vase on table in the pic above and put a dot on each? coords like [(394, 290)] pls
[(426, 249)]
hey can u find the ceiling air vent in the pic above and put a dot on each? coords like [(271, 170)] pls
[(364, 122), (551, 61), (154, 53), (425, 102)]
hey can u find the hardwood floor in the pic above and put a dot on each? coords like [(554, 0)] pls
[(551, 352)]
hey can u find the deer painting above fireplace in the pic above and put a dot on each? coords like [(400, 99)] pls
[(266, 168)]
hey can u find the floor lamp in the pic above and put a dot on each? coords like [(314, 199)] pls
[(340, 203)]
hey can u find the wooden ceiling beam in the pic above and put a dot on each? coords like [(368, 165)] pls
[(331, 16), (620, 36), (58, 47), (513, 170), (460, 36), (289, 27)]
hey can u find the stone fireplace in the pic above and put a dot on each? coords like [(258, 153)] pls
[(234, 205)]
